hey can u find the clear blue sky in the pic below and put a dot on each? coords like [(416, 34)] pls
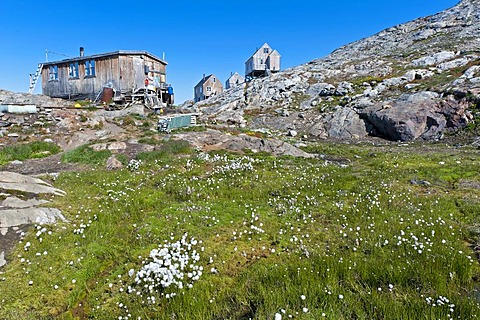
[(198, 37)]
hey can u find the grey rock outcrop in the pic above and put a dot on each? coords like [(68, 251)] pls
[(21, 208), (215, 140), (375, 86)]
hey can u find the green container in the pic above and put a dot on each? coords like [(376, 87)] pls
[(174, 122)]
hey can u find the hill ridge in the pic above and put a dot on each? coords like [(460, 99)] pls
[(419, 79)]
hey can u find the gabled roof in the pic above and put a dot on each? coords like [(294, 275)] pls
[(201, 82), (235, 74), (275, 51), (108, 54), (265, 45)]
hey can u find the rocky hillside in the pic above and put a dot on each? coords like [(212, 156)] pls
[(418, 80)]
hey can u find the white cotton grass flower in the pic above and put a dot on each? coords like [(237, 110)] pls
[(171, 266)]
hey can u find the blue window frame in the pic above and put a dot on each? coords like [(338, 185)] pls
[(73, 70), (53, 73), (90, 68)]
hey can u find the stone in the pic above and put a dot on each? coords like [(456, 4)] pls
[(433, 59), (16, 214), (116, 146), (14, 202), (216, 140), (453, 64), (344, 88), (408, 118), (19, 182), (2, 259), (292, 133), (113, 163), (346, 124)]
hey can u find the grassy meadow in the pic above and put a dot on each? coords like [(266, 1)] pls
[(359, 232)]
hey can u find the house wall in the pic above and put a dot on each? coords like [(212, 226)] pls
[(106, 71), (132, 71), (234, 80), (273, 61), (123, 72), (201, 91), (215, 87), (198, 93)]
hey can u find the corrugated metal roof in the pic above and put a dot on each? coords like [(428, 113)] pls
[(103, 55)]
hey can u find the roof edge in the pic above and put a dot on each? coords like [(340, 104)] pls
[(107, 54)]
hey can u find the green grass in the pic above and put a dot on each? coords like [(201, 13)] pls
[(86, 155), (347, 231), (38, 149)]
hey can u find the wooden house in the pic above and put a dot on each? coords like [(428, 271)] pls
[(262, 63), (234, 80), (86, 76), (207, 87)]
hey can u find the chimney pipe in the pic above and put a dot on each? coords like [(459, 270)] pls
[(82, 51), (204, 76)]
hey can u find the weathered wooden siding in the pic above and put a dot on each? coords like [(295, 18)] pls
[(215, 84), (123, 72), (273, 61), (234, 80), (106, 72), (261, 61), (201, 89)]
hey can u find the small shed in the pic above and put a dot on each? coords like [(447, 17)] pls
[(262, 63), (86, 76)]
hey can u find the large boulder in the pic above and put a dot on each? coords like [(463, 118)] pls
[(421, 115), (345, 124)]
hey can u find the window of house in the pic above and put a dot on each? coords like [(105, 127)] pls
[(209, 88), (265, 50), (53, 73), (73, 70), (213, 79), (90, 68)]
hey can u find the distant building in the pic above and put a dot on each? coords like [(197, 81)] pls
[(85, 76), (262, 63), (234, 80), (207, 87)]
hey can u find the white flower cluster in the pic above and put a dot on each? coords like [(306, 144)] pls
[(208, 158), (134, 165), (240, 164), (172, 265), (441, 302)]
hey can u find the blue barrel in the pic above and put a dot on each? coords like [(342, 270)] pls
[(170, 90)]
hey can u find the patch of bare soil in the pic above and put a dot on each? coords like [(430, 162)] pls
[(52, 164)]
